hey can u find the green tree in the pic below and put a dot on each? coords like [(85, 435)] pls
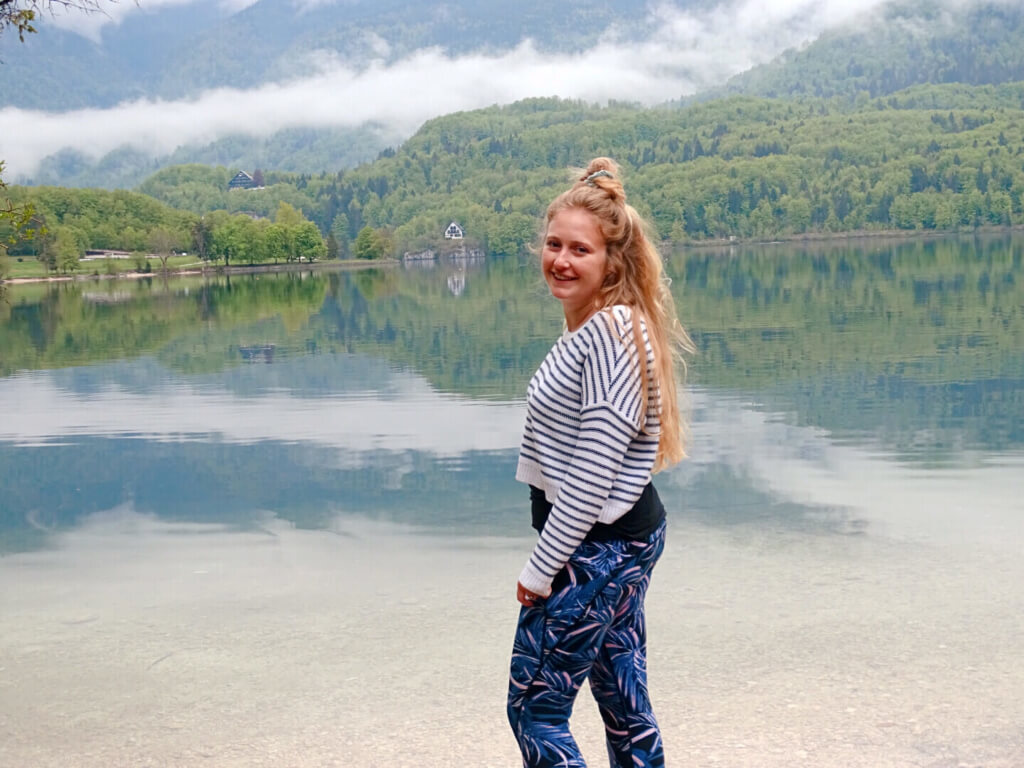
[(276, 237), (161, 244), (512, 233), (233, 237), (309, 245), (291, 234), (66, 250), (339, 227), (288, 215), (369, 244), (16, 221), (202, 238)]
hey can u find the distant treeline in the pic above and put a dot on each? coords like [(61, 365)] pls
[(67, 222)]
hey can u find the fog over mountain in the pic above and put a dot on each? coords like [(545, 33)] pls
[(169, 73)]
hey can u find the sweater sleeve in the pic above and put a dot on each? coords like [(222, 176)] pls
[(609, 422)]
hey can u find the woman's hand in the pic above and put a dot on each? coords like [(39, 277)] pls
[(525, 596)]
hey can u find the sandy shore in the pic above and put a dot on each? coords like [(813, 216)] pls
[(139, 643)]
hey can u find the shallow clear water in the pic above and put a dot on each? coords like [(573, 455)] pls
[(272, 520)]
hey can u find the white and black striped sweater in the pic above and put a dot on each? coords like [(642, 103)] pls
[(583, 444)]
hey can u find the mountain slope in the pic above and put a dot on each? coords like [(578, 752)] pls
[(298, 150), (56, 69), (901, 45), (932, 157), (173, 51), (270, 41)]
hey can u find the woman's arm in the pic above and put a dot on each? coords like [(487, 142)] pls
[(609, 422)]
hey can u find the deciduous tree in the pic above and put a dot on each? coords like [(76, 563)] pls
[(368, 244), (161, 243), (66, 249)]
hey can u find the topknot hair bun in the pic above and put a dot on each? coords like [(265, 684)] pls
[(603, 173)]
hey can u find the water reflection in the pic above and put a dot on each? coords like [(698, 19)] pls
[(843, 389), (226, 506)]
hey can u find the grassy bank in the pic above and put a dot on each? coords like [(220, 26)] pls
[(31, 270)]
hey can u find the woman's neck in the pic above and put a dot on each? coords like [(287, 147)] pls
[(575, 318)]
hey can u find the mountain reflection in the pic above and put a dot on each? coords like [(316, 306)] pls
[(384, 394)]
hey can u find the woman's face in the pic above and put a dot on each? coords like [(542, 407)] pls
[(575, 261)]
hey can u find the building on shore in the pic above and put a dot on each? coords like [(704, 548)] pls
[(242, 180)]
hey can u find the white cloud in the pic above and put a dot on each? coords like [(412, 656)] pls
[(305, 5), (793, 463), (410, 416), (91, 24), (688, 50)]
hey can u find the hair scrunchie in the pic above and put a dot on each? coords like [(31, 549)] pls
[(596, 175)]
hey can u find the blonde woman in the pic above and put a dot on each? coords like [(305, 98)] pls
[(602, 416)]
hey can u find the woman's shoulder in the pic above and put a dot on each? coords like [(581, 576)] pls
[(610, 328), (615, 320)]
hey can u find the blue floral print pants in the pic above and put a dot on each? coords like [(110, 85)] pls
[(592, 625)]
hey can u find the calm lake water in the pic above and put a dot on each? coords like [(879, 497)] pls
[(271, 520)]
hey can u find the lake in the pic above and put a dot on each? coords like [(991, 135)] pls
[(272, 520)]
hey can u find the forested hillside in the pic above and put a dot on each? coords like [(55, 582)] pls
[(94, 218), (931, 157), (900, 45), (300, 150), (165, 52), (927, 158)]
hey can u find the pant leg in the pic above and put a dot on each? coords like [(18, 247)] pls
[(558, 641), (618, 679), (543, 684)]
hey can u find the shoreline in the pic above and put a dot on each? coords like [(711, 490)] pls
[(359, 264), (854, 234), (247, 269)]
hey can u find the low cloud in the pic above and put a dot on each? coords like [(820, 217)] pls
[(689, 50)]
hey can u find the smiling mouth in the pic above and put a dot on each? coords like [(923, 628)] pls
[(562, 278)]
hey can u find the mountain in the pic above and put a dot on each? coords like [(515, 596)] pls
[(900, 45), (57, 69), (176, 51), (298, 150)]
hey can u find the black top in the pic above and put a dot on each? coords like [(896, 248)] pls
[(637, 524)]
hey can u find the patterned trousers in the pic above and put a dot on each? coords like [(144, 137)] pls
[(592, 625)]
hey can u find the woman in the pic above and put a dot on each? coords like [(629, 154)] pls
[(602, 416)]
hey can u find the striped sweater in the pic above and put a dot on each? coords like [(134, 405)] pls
[(583, 444)]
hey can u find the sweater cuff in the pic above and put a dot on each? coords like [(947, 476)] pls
[(535, 582)]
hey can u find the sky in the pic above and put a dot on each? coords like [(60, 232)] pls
[(689, 51)]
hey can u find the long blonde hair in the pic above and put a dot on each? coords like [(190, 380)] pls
[(636, 278)]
